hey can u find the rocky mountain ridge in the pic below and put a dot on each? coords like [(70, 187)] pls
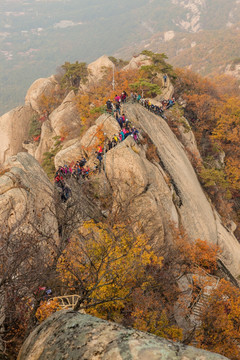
[(196, 214), (153, 179), (208, 52)]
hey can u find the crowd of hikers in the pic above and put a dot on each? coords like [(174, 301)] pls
[(79, 170), (115, 106)]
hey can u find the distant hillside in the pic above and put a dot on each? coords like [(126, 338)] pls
[(38, 36), (206, 52)]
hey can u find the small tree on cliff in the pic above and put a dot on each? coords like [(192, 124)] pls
[(74, 74), (146, 88), (159, 66)]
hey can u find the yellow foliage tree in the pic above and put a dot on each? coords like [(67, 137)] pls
[(228, 122), (105, 265), (46, 309)]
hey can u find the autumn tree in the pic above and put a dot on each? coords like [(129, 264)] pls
[(26, 262), (91, 103), (103, 265), (49, 102), (214, 117), (220, 321)]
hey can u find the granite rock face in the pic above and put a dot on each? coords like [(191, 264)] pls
[(159, 191), (138, 61), (71, 335), (26, 197), (76, 148), (97, 68), (14, 127), (140, 186), (196, 214), (40, 87), (63, 122)]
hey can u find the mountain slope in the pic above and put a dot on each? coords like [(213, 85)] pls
[(37, 36), (206, 52)]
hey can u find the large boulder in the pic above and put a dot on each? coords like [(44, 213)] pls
[(196, 213), (137, 61), (14, 127), (41, 87), (97, 68), (64, 122), (74, 149), (96, 71), (140, 186), (71, 152), (46, 140), (65, 119), (26, 197), (28, 228), (71, 335)]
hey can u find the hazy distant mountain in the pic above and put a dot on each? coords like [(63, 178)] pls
[(207, 51), (38, 35)]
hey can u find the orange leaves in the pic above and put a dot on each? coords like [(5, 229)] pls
[(46, 309), (51, 101), (205, 255), (149, 315), (199, 253), (227, 133), (213, 107), (228, 121), (220, 328), (92, 101), (233, 172)]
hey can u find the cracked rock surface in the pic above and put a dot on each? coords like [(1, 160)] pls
[(71, 335)]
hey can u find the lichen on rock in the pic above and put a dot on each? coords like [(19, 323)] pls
[(71, 335)]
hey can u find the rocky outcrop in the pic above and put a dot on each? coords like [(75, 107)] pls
[(41, 87), (28, 227), (46, 140), (157, 189), (14, 127), (71, 152), (140, 186), (195, 212), (184, 132), (63, 122), (97, 67), (26, 197), (137, 61), (76, 148), (96, 71), (233, 70), (71, 335)]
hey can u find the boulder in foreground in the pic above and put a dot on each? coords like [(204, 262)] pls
[(71, 335)]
